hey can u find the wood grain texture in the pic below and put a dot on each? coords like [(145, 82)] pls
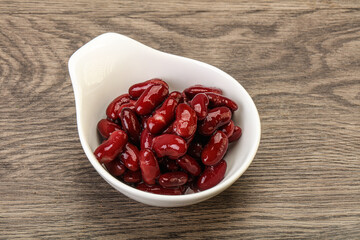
[(300, 61)]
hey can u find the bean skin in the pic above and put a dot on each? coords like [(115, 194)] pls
[(236, 135), (130, 157), (185, 123), (215, 150), (150, 99), (130, 124), (200, 105), (228, 129), (173, 179), (132, 177), (216, 118), (146, 139), (113, 107), (211, 176), (130, 105), (217, 100), (189, 164), (169, 145), (137, 89), (115, 168), (190, 92), (106, 127), (149, 166), (163, 116), (109, 149)]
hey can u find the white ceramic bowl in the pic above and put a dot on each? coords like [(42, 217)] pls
[(109, 64)]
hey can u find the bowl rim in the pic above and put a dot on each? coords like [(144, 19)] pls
[(224, 184)]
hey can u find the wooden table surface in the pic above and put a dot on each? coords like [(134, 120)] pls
[(300, 62)]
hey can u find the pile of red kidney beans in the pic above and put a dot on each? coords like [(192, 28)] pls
[(168, 143)]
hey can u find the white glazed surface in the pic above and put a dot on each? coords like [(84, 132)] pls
[(109, 64)]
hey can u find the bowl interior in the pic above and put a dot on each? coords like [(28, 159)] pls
[(106, 68)]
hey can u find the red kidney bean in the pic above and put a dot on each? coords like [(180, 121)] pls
[(157, 189), (150, 99), (195, 148), (189, 164), (146, 139), (190, 92), (217, 100), (130, 124), (130, 105), (216, 118), (105, 128), (137, 89), (113, 107), (228, 129), (236, 135), (149, 166), (185, 123), (215, 150), (176, 95), (132, 177), (163, 115), (173, 179), (109, 149), (169, 145), (115, 168), (200, 105), (130, 157), (211, 176)]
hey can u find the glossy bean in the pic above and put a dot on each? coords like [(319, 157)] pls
[(236, 135), (137, 89), (113, 107), (176, 95), (169, 145), (149, 166), (215, 118), (146, 139), (130, 124), (115, 168), (130, 157), (132, 177), (109, 149), (106, 127), (189, 164), (163, 116), (173, 179), (130, 105), (150, 99), (211, 176), (190, 92), (200, 105), (228, 129), (217, 100), (157, 189), (185, 123), (215, 150)]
